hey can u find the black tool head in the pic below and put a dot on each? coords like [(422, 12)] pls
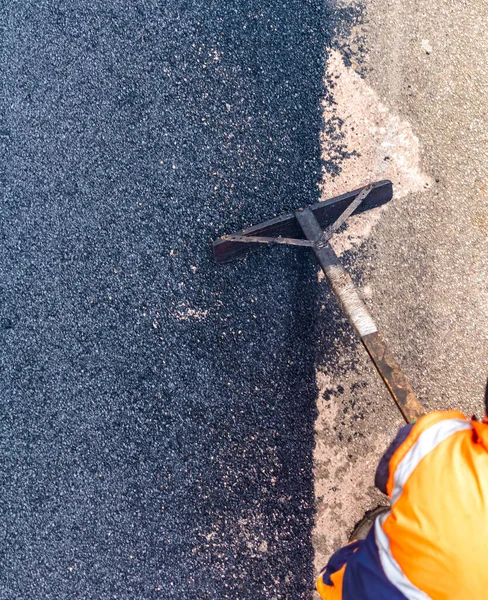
[(287, 226)]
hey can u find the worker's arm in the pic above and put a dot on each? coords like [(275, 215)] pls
[(383, 470)]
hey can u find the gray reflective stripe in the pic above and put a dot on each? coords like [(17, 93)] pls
[(427, 441), (390, 566)]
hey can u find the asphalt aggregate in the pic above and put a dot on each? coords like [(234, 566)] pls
[(157, 410)]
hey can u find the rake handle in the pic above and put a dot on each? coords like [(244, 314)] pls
[(393, 376), (356, 311)]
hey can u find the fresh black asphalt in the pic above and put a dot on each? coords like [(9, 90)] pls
[(157, 410)]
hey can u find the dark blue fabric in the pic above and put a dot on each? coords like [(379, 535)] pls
[(383, 470), (364, 578), (338, 560)]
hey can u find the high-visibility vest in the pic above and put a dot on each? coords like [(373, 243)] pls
[(433, 543)]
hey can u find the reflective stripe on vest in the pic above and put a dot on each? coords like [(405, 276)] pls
[(426, 442)]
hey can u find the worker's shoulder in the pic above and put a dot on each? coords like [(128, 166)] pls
[(438, 416)]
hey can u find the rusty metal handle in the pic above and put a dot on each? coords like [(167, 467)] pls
[(393, 376), (360, 318)]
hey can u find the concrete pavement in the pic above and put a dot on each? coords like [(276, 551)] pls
[(412, 97)]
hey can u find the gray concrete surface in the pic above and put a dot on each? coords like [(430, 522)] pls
[(417, 114)]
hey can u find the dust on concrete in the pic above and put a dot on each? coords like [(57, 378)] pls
[(380, 145), (424, 268)]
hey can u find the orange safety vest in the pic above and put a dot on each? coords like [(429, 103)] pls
[(433, 543)]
